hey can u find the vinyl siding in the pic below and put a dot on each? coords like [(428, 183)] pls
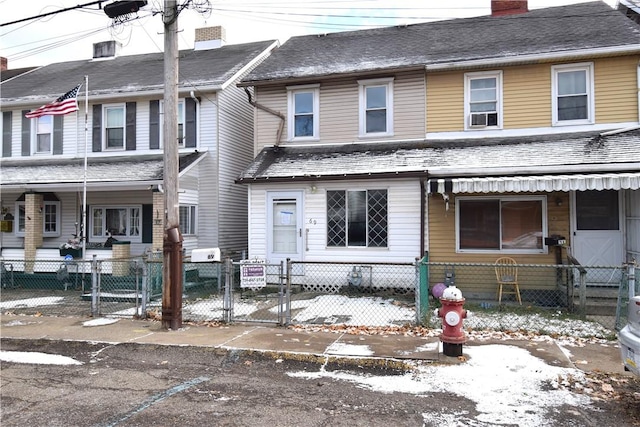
[(338, 111), (71, 211), (403, 219), (442, 246), (339, 115), (266, 124), (208, 201), (616, 99), (236, 148), (527, 99), (445, 102)]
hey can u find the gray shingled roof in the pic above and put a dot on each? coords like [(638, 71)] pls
[(8, 74), (132, 73), (588, 152), (544, 31), (125, 169)]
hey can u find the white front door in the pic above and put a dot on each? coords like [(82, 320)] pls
[(598, 236), (284, 226)]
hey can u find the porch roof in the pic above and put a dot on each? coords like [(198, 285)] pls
[(122, 171), (536, 183), (514, 156)]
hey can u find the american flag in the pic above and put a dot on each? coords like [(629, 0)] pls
[(65, 104)]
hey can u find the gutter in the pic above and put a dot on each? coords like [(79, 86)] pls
[(545, 57), (313, 78), (107, 96), (73, 186), (308, 178)]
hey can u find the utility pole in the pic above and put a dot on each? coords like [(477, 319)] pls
[(172, 240)]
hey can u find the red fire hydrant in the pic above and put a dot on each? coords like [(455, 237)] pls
[(452, 313)]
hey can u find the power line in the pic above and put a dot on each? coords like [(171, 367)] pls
[(280, 12), (80, 6)]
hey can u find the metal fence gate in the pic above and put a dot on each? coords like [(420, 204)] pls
[(556, 299)]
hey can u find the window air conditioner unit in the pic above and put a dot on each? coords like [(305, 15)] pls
[(478, 119)]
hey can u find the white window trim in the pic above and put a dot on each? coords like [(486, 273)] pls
[(467, 98), (105, 107), (583, 66), (362, 85), (192, 227), (542, 199), (181, 143), (34, 138), (97, 238), (44, 233), (291, 91), (346, 214)]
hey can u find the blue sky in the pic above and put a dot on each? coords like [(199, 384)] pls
[(70, 35)]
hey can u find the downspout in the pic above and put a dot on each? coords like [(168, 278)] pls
[(638, 90), (423, 210), (270, 111), (197, 101)]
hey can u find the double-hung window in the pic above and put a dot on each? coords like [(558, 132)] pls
[(376, 107), (187, 219), (572, 92), (50, 218), (43, 134), (357, 218), (501, 224), (114, 127), (483, 100), (120, 222), (181, 119), (303, 107)]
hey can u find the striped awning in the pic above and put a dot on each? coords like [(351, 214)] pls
[(536, 183)]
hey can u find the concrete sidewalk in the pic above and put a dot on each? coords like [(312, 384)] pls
[(600, 356)]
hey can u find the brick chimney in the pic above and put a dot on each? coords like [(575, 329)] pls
[(4, 65), (210, 38), (508, 7)]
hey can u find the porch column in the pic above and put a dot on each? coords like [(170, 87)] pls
[(158, 221), (33, 206)]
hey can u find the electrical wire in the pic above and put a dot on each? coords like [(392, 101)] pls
[(277, 13)]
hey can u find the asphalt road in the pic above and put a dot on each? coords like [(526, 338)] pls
[(149, 385)]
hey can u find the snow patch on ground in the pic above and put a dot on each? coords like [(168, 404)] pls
[(36, 358), (99, 322), (508, 385), (31, 302)]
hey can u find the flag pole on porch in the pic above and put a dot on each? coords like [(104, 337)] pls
[(83, 228)]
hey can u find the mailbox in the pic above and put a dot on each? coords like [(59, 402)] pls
[(555, 240), (206, 255)]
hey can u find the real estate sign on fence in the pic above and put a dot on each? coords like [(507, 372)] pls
[(253, 274)]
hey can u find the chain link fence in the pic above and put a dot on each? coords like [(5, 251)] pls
[(554, 299)]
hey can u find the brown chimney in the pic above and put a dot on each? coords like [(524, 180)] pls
[(508, 7), (4, 65)]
